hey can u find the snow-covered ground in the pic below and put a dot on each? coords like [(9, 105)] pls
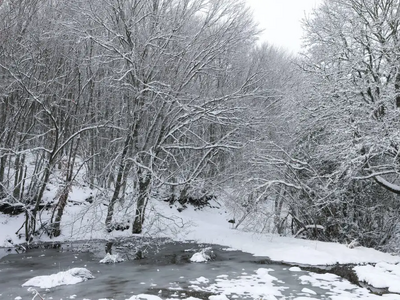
[(210, 225)]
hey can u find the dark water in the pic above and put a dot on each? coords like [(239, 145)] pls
[(165, 272)]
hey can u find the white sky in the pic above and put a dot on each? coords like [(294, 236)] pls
[(281, 20)]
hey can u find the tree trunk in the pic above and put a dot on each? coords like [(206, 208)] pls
[(118, 181), (62, 202), (3, 162), (144, 183), (397, 89), (31, 224), (17, 168), (278, 210)]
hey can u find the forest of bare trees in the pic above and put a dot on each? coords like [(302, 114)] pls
[(180, 96)]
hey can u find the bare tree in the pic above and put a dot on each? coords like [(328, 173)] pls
[(163, 54), (348, 134)]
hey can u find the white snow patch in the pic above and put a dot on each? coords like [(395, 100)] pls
[(295, 269), (201, 256), (71, 276), (175, 287), (383, 275), (308, 291), (8, 242), (200, 280), (218, 297), (144, 297), (230, 249), (340, 288), (256, 286), (111, 259), (391, 296)]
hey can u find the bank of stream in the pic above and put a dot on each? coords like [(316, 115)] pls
[(165, 270)]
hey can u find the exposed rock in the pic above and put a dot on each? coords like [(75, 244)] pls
[(11, 209), (119, 226), (140, 254), (108, 248), (197, 202)]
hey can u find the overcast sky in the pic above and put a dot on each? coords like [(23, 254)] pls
[(281, 20)]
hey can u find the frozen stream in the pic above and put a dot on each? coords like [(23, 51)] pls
[(167, 273)]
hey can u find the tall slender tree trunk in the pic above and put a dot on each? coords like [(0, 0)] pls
[(143, 194), (3, 162), (17, 168), (31, 217), (278, 211), (119, 180), (62, 202), (397, 89)]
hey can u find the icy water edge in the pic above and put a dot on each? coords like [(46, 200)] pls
[(165, 271)]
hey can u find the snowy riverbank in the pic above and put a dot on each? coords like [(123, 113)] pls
[(210, 225)]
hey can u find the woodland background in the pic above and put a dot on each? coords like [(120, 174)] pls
[(179, 100)]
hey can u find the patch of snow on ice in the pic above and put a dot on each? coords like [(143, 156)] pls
[(218, 297), (295, 269), (175, 287), (340, 288), (111, 259), (308, 291), (144, 297), (189, 298), (201, 256), (256, 286), (230, 249), (391, 296), (383, 275), (71, 276), (200, 280), (190, 250)]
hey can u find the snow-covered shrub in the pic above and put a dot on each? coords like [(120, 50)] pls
[(348, 210), (249, 210)]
